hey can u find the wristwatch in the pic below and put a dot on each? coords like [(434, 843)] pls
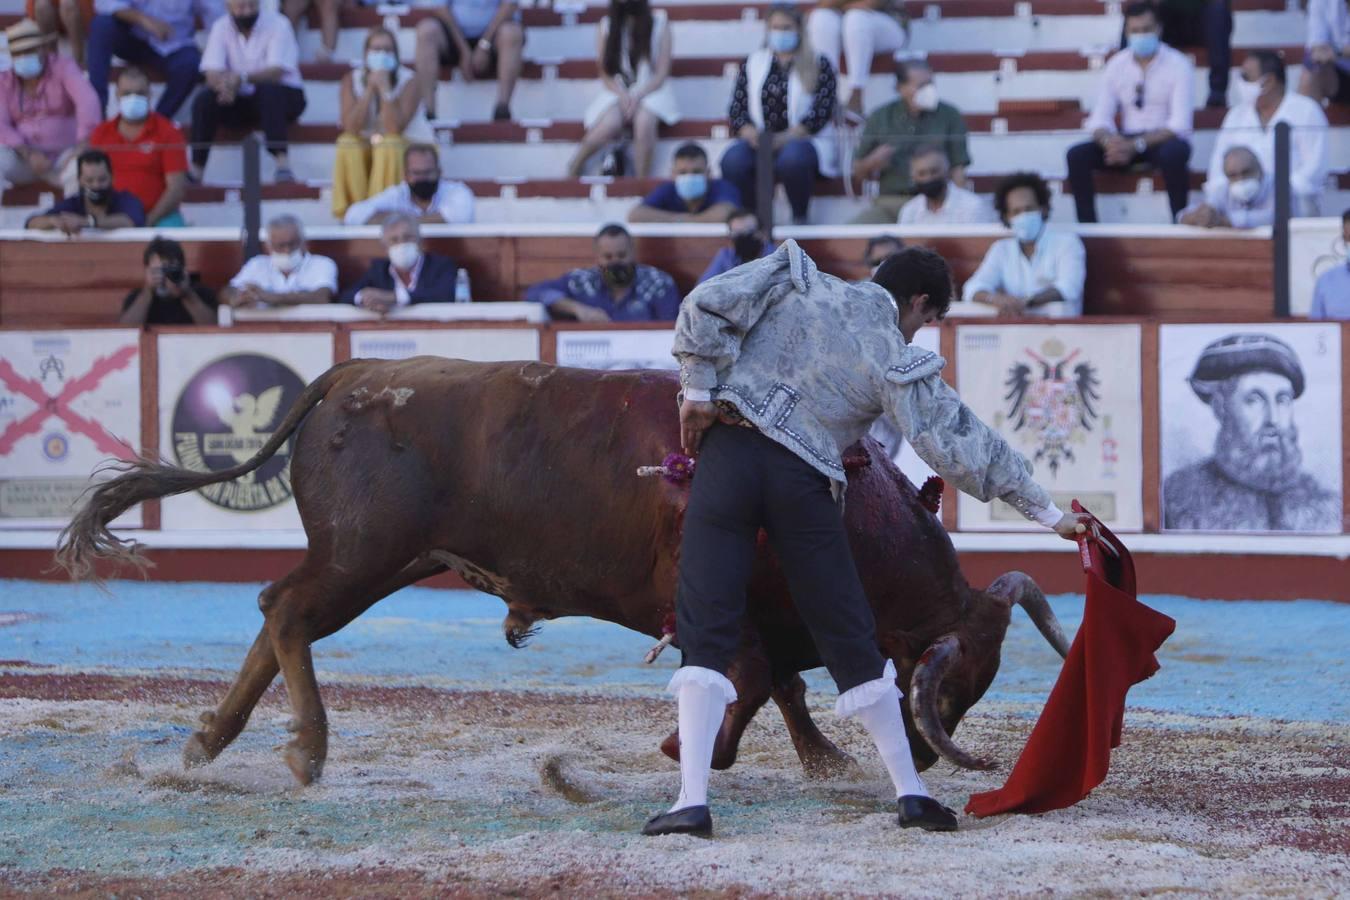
[(1140, 145)]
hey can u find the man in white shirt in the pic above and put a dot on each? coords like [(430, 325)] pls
[(1150, 85), (252, 70), (288, 275), (1039, 271), (422, 195), (1265, 101), (1247, 199), (938, 201)]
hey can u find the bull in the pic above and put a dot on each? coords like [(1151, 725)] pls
[(520, 478)]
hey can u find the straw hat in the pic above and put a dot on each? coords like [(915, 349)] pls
[(24, 36)]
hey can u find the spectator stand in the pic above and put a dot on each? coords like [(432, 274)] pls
[(1024, 106)]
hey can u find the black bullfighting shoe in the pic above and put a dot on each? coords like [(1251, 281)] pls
[(925, 813), (695, 820)]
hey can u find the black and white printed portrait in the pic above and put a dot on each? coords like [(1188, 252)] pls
[(1251, 428)]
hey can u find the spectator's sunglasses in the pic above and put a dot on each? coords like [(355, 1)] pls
[(1139, 95)]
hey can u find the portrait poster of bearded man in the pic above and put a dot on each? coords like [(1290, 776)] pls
[(1264, 456)]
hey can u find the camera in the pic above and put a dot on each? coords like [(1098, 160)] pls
[(174, 274)]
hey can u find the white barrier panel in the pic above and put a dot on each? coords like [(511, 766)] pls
[(69, 401), (1315, 245), (1252, 442), (220, 397), (635, 349), (478, 344), (1068, 398)]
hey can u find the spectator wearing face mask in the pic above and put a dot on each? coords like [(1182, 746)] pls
[(690, 195), (422, 194), (159, 35), (1263, 102), (1149, 85), (47, 111), (878, 249), (148, 153), (1326, 58), (287, 275), (1331, 295), (96, 206), (252, 70), (169, 296), (407, 274), (380, 112), (615, 289), (1040, 270), (1246, 201), (892, 134), (633, 52), (937, 200), (859, 29), (785, 93), (745, 242)]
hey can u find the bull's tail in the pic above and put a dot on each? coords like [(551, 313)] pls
[(87, 539)]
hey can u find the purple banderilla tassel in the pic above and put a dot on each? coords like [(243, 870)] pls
[(676, 468)]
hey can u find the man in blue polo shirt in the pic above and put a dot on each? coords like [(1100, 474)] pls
[(97, 206), (690, 195), (1331, 297)]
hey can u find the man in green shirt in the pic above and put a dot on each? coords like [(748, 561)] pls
[(894, 131)]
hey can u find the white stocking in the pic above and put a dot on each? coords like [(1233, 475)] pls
[(877, 705), (703, 695)]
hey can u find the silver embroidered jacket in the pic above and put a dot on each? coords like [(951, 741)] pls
[(813, 361)]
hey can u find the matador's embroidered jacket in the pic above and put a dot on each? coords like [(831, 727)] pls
[(812, 361)]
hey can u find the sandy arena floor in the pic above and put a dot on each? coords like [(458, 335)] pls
[(454, 790)]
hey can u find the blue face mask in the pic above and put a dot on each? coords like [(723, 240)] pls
[(1026, 227), (133, 107), (29, 66), (782, 40), (381, 61), (1144, 45), (691, 185)]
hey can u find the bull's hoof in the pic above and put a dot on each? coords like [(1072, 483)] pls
[(195, 753), (671, 746), (828, 762), (305, 763)]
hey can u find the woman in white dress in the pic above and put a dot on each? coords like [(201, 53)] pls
[(380, 114), (633, 53)]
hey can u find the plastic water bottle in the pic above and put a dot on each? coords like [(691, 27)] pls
[(462, 294)]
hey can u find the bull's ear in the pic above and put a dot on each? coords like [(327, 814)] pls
[(914, 364)]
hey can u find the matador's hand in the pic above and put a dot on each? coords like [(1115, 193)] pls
[(696, 417)]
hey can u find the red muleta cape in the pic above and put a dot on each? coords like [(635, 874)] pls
[(1069, 750)]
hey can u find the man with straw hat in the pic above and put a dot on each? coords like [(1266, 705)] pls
[(47, 110)]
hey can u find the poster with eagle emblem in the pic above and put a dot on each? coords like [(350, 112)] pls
[(1067, 397)]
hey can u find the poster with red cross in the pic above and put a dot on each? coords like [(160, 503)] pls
[(70, 401)]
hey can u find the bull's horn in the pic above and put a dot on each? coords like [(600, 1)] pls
[(933, 666), (1019, 588)]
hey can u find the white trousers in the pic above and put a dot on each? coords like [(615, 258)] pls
[(858, 34)]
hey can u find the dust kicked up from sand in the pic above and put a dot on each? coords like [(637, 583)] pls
[(474, 792)]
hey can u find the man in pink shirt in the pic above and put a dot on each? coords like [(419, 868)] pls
[(47, 110)]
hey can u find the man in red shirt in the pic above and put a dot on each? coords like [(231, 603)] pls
[(148, 152)]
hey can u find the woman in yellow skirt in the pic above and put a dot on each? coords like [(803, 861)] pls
[(380, 115)]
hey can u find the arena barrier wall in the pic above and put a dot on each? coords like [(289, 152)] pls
[(1102, 407)]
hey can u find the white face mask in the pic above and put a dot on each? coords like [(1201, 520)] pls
[(404, 256), (133, 107), (287, 262), (27, 66), (1244, 190), (926, 97), (1248, 91), (381, 60)]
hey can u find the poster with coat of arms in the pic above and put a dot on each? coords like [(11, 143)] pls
[(221, 397), (1067, 397), (70, 402)]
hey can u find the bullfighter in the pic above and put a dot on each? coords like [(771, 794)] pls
[(806, 362)]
